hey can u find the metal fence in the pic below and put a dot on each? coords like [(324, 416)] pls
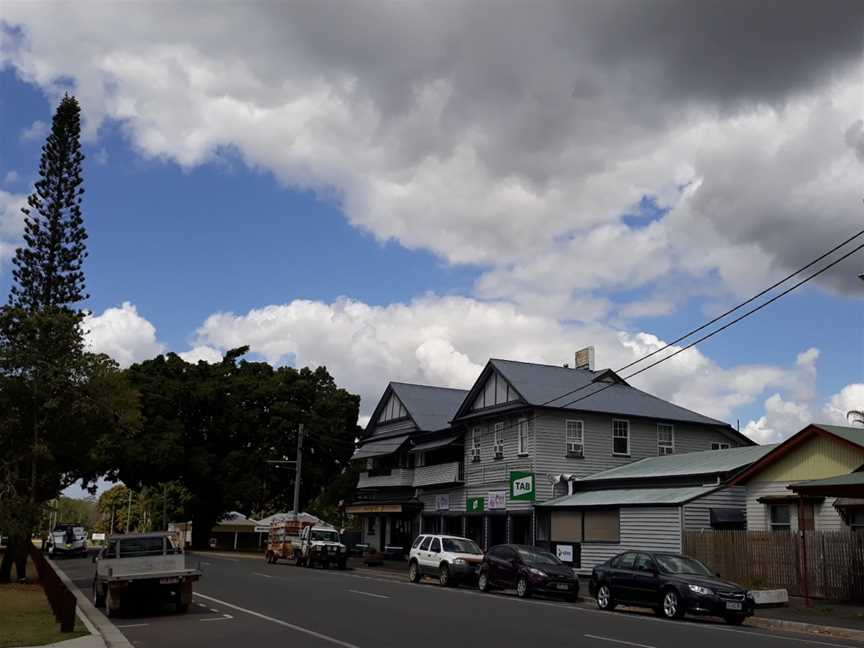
[(823, 564), (60, 597)]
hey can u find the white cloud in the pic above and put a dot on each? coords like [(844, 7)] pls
[(122, 334), (11, 177), (11, 224), (35, 132), (851, 397), (199, 353), (782, 419)]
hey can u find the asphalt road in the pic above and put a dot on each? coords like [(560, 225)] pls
[(244, 603)]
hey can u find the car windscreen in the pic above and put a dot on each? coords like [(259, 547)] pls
[(670, 564), (460, 545), (536, 557), (325, 536)]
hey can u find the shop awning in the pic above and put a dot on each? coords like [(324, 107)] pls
[(379, 448), (437, 443), (354, 509)]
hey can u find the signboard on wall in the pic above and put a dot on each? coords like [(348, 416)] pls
[(497, 500), (564, 553), (475, 505), (521, 486), (442, 502)]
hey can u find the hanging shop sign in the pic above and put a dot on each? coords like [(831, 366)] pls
[(475, 505), (522, 486), (497, 500), (442, 502)]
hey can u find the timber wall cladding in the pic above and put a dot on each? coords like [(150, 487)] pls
[(823, 564)]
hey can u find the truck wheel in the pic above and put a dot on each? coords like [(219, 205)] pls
[(98, 599), (112, 602)]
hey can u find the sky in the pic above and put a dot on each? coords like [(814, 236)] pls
[(401, 191)]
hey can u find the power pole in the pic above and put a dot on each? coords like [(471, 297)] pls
[(298, 465)]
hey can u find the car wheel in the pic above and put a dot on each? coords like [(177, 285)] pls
[(522, 590), (98, 599), (444, 576), (672, 605), (604, 598), (734, 619), (414, 572), (483, 582)]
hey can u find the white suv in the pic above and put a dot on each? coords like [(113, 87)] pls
[(448, 558)]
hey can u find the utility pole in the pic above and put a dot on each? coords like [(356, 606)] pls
[(111, 526), (297, 474)]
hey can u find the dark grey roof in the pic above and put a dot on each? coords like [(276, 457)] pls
[(706, 462), (631, 497), (430, 407), (373, 448), (543, 385)]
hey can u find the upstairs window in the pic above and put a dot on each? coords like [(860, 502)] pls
[(856, 520), (420, 460), (665, 439), (499, 440), (717, 445), (523, 437), (574, 432), (620, 438), (780, 517), (475, 444)]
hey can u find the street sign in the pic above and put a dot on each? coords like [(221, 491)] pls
[(564, 553), (521, 486), (475, 505)]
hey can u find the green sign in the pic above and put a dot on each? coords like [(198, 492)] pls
[(521, 486), (475, 505)]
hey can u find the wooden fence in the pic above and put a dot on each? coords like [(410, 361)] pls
[(60, 597), (823, 564)]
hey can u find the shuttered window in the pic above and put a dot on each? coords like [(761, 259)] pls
[(566, 526), (601, 526)]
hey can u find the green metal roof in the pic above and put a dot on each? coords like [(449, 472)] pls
[(852, 434), (705, 462), (630, 497), (852, 479)]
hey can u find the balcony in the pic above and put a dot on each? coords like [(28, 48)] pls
[(446, 473), (386, 477)]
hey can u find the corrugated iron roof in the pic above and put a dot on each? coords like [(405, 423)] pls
[(430, 407), (852, 434), (630, 497), (543, 385), (379, 448), (852, 479), (705, 462), (436, 443)]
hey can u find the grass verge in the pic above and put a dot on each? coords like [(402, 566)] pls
[(26, 617)]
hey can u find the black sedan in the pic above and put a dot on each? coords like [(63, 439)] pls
[(670, 584), (527, 569)]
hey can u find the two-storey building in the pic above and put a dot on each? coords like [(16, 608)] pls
[(412, 462), (531, 428)]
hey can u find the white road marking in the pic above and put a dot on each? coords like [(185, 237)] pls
[(214, 610), (133, 625), (619, 641), (201, 605), (285, 624), (261, 575), (381, 596), (224, 617)]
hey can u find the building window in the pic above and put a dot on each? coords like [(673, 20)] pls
[(499, 440), (856, 520), (420, 461), (601, 526), (718, 445), (665, 439), (370, 464), (780, 517), (370, 525), (523, 438), (475, 444), (574, 437), (620, 437)]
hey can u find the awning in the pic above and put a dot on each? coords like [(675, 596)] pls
[(727, 517), (437, 443), (850, 485), (379, 448), (376, 508)]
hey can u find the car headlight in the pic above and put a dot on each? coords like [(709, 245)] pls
[(698, 589), (536, 572), (458, 561)]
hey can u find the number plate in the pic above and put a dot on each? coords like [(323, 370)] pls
[(733, 606), (562, 586), (169, 581)]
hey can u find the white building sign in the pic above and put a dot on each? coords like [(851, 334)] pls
[(564, 553), (497, 500), (442, 502)]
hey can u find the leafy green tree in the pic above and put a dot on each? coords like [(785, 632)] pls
[(214, 426)]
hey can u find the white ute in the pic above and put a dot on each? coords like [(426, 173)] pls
[(146, 564), (321, 545)]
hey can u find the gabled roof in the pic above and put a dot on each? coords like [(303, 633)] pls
[(706, 462), (853, 436), (630, 497), (430, 407), (604, 391)]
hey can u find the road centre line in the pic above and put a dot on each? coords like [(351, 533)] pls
[(224, 617), (262, 575), (619, 641), (756, 632), (285, 624), (381, 596)]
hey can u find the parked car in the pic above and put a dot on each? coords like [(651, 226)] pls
[(449, 558), (670, 584), (529, 570), (142, 564)]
